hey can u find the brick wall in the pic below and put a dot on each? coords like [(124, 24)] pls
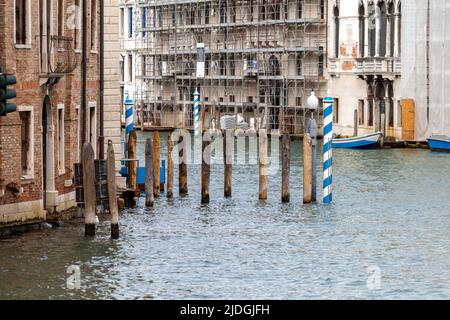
[(31, 91)]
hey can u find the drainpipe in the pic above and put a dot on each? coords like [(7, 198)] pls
[(101, 138), (83, 78)]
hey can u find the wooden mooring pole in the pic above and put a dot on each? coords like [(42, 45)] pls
[(170, 166), (206, 166), (132, 165), (355, 123), (112, 198), (312, 127), (89, 189), (263, 163), (307, 168), (182, 168), (149, 195), (156, 164), (228, 150), (286, 167)]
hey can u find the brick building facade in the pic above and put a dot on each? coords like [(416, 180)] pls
[(40, 42)]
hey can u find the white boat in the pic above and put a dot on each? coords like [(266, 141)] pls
[(369, 141)]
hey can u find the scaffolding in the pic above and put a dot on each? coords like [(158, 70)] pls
[(262, 60)]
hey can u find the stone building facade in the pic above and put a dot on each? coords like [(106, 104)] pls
[(40, 42), (365, 65)]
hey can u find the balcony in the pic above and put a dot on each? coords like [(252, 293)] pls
[(367, 66), (58, 57), (375, 66)]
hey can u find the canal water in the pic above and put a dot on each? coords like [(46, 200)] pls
[(386, 235)]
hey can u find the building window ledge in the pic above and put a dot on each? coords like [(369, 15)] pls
[(28, 179), (22, 46)]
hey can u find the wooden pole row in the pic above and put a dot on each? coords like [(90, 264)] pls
[(90, 192), (153, 159)]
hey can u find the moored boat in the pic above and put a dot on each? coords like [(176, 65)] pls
[(369, 141), (439, 143)]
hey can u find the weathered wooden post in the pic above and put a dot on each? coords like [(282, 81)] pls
[(263, 163), (307, 168), (132, 165), (170, 166), (206, 166), (182, 168), (355, 123), (286, 167), (383, 129), (312, 127), (156, 165), (112, 193), (228, 150), (149, 195), (89, 189)]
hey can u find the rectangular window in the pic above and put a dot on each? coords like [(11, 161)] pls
[(262, 95), (321, 61), (144, 65), (298, 101), (322, 9), (336, 111), (92, 126), (144, 21), (370, 119), (122, 22), (60, 18), (299, 9), (361, 115), (232, 99), (122, 70), (77, 24), (22, 22), (207, 13), (299, 64), (130, 68), (61, 149), (130, 22), (93, 24), (27, 142)]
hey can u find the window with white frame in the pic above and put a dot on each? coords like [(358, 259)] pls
[(75, 12), (61, 145), (122, 22), (22, 23), (27, 141)]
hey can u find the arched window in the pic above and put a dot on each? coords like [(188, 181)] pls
[(392, 28), (372, 29), (336, 32), (383, 28), (299, 9), (362, 30)]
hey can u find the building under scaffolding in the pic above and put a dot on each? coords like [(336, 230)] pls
[(261, 58)]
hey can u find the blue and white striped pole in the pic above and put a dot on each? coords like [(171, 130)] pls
[(129, 121), (196, 112), (328, 150)]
